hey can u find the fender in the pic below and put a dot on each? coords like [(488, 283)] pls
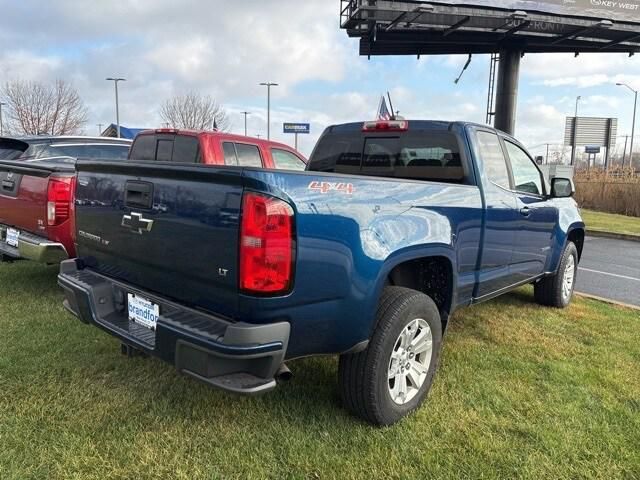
[(560, 239)]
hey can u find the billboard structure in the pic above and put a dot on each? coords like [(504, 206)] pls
[(591, 132), (622, 11), (510, 28)]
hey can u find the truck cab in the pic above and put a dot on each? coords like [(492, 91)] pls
[(214, 148)]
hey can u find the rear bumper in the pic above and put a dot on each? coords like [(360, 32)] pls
[(237, 357), (33, 247)]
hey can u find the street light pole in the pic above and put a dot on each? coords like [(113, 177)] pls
[(633, 125), (245, 121), (99, 128), (1, 104), (269, 85), (575, 132), (115, 82)]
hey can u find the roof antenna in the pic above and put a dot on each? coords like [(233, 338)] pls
[(393, 117), (466, 65)]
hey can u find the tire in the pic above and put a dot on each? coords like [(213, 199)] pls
[(365, 388), (554, 291)]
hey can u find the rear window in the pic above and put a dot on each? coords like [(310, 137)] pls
[(229, 154), (97, 151), (248, 155), (166, 148), (11, 149), (417, 155)]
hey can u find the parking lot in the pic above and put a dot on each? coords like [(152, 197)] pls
[(611, 269)]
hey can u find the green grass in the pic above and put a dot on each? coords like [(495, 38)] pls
[(611, 222), (522, 391)]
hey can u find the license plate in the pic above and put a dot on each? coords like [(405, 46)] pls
[(142, 311), (12, 237)]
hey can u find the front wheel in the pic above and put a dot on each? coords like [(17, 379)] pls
[(557, 290), (393, 376)]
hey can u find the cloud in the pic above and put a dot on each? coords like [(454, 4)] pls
[(224, 49), (585, 71), (164, 48)]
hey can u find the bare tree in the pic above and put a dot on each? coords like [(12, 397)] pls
[(36, 108), (195, 112)]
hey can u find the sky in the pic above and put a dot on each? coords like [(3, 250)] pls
[(225, 49)]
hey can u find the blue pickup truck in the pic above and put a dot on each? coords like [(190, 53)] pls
[(229, 272)]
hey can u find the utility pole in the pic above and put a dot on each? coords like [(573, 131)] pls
[(624, 152), (115, 82), (245, 121), (1, 105), (633, 125), (100, 128), (575, 132), (547, 158), (269, 85)]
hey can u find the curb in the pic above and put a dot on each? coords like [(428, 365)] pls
[(615, 236), (607, 300)]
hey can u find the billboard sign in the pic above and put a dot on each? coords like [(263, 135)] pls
[(623, 11), (590, 131), (296, 127)]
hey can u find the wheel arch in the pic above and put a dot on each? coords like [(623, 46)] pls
[(576, 235), (431, 271)]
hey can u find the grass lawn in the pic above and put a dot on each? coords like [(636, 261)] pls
[(522, 391), (610, 222)]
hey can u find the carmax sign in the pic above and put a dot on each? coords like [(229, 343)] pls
[(622, 11)]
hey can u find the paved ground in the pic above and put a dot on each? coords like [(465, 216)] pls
[(611, 269)]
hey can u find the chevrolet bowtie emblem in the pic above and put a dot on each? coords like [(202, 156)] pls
[(136, 223)]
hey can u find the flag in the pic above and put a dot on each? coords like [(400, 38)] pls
[(383, 110)]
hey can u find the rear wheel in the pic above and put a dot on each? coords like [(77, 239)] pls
[(557, 290), (392, 377)]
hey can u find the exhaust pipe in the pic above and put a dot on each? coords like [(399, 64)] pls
[(283, 374)]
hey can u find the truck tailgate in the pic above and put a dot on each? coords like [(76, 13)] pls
[(166, 228), (23, 194)]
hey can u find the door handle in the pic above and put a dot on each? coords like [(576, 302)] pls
[(525, 212), (138, 194)]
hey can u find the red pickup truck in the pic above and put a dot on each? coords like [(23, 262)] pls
[(36, 204), (214, 148), (36, 209)]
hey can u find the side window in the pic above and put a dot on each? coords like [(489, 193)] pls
[(164, 153), (495, 165), (144, 148), (284, 160), (185, 149), (248, 155), (526, 175), (229, 154)]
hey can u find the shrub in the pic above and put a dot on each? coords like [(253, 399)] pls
[(613, 191)]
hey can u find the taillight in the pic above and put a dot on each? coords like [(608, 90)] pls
[(386, 125), (266, 245), (59, 196)]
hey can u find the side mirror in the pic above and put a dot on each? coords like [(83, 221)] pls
[(562, 188)]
